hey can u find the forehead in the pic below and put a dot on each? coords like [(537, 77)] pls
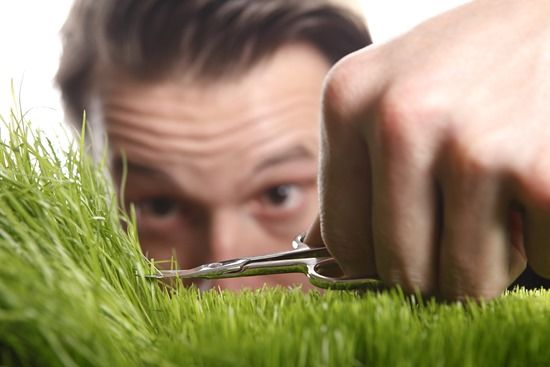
[(204, 128)]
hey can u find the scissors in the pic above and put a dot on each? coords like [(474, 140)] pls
[(316, 262)]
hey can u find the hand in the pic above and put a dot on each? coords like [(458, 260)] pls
[(435, 163)]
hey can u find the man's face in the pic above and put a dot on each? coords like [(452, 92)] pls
[(220, 170)]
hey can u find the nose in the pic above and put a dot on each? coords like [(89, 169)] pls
[(231, 235), (227, 240), (226, 235)]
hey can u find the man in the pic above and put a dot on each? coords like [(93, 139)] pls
[(215, 106), (435, 170)]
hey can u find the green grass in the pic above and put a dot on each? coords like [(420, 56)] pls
[(69, 294)]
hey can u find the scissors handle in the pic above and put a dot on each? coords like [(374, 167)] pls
[(324, 273), (316, 262), (327, 274)]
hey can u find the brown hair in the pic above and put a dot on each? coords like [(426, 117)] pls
[(152, 39)]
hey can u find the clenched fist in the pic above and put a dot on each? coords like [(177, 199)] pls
[(435, 162)]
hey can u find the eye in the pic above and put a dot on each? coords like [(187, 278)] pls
[(281, 195), (159, 207), (284, 203)]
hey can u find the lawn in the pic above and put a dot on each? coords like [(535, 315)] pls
[(72, 294)]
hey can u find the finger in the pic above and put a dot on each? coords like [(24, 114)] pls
[(344, 172), (477, 257), (516, 235), (537, 239), (349, 100), (345, 200), (405, 205), (313, 236), (533, 191)]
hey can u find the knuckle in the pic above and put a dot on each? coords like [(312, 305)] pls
[(405, 102), (408, 116), (340, 89), (412, 100), (468, 157)]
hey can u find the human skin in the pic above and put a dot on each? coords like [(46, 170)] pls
[(435, 164), (223, 169)]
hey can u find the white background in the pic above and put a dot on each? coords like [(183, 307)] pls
[(30, 46), (29, 52)]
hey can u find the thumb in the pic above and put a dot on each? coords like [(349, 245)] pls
[(313, 236)]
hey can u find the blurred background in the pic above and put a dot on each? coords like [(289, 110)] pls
[(30, 47)]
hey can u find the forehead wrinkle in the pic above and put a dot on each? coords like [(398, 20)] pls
[(175, 151), (279, 135), (181, 127), (185, 144), (193, 126), (265, 149), (290, 123)]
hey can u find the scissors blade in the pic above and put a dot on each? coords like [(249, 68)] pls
[(207, 271), (280, 262)]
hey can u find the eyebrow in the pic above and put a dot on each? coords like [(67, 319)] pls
[(133, 167), (292, 154)]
